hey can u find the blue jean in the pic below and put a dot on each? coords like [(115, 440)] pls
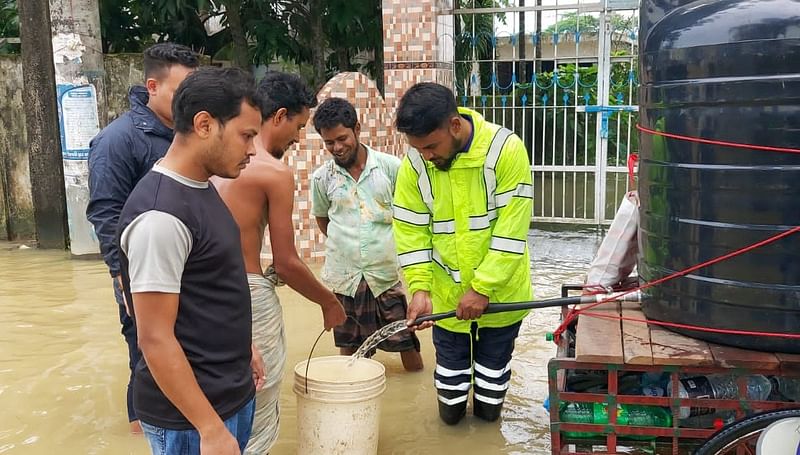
[(164, 441), (129, 333)]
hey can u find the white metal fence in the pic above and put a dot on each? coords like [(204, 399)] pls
[(562, 75)]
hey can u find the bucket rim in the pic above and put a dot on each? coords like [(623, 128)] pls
[(297, 388), (299, 369)]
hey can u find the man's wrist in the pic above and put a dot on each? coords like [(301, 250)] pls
[(331, 302), (480, 293), (479, 290), (212, 427), (413, 288)]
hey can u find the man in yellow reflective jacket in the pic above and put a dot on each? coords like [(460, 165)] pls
[(462, 209)]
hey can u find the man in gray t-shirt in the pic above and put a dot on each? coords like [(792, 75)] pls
[(183, 271)]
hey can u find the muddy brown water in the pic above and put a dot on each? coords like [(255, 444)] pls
[(63, 364)]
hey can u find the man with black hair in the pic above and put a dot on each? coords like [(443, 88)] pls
[(183, 272), (352, 203), (462, 210), (263, 196), (122, 154)]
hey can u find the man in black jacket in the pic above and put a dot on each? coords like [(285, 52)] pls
[(122, 154)]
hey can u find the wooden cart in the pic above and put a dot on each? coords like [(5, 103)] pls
[(616, 346)]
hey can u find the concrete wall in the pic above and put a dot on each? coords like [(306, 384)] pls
[(122, 72), (16, 203), (17, 208), (417, 47)]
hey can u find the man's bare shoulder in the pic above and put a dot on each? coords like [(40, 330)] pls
[(266, 172)]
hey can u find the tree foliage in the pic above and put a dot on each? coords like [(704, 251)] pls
[(473, 37), (573, 22), (9, 25), (326, 35), (318, 37)]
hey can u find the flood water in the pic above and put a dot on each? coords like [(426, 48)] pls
[(63, 364)]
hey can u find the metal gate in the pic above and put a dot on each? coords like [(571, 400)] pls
[(562, 74)]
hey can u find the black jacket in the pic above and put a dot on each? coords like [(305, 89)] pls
[(119, 157)]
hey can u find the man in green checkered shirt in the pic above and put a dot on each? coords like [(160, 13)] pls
[(352, 202)]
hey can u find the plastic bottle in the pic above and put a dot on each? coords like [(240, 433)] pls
[(652, 391), (715, 420), (655, 379), (788, 387), (718, 387), (627, 414)]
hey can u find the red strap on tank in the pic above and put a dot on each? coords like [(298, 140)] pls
[(701, 140), (574, 312), (633, 158)]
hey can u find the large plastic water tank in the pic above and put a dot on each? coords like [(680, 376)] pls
[(652, 11), (726, 70)]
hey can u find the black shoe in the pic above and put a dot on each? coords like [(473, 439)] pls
[(487, 412), (451, 415)]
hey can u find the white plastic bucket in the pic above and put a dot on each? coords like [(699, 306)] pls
[(339, 412)]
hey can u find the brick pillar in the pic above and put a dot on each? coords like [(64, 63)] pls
[(376, 131), (418, 45)]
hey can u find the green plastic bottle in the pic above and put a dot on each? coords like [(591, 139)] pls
[(627, 414)]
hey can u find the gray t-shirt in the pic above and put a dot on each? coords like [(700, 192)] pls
[(199, 259), (157, 245)]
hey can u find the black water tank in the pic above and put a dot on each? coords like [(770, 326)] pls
[(653, 11), (726, 70)]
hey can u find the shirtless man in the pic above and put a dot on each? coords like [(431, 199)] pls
[(264, 195)]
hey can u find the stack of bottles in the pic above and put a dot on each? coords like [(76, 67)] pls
[(759, 388)]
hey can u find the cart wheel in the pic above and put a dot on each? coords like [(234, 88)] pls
[(741, 437)]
